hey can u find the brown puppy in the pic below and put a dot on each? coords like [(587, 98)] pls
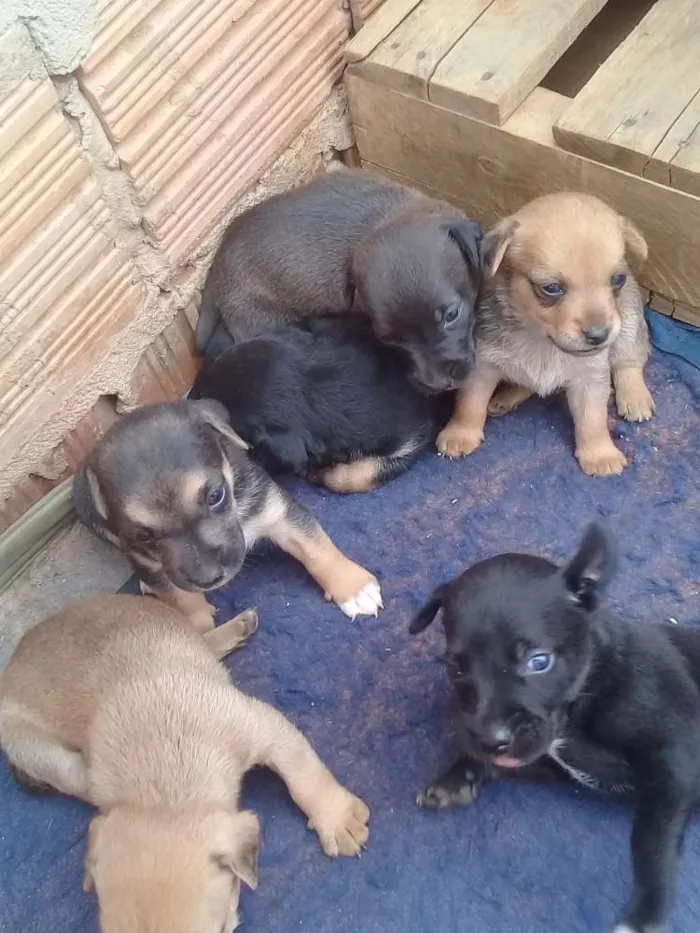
[(118, 701), (561, 311), (171, 485), (353, 241)]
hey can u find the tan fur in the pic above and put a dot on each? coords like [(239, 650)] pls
[(538, 345), (191, 490), (506, 398), (358, 476), (140, 514), (117, 700)]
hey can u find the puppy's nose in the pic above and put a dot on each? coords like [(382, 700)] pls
[(498, 741), (596, 335)]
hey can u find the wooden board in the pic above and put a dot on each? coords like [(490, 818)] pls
[(405, 56), (492, 172), (641, 109), (492, 68)]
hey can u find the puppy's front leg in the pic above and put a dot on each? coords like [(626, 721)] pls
[(595, 450), (298, 533), (192, 604), (662, 814), (457, 787), (628, 356), (338, 816), (465, 429)]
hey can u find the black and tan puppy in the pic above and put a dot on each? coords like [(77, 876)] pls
[(549, 684), (325, 399), (172, 486), (353, 241)]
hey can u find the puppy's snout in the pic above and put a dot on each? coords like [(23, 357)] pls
[(595, 336), (497, 741)]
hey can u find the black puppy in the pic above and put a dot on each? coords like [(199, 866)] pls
[(547, 682), (324, 398), (353, 241)]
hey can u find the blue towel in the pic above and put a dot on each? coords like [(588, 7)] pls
[(675, 337), (375, 703)]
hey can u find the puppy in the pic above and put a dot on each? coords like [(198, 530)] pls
[(351, 240), (171, 485), (118, 701), (561, 310), (548, 683), (325, 399)]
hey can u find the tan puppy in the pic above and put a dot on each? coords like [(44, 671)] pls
[(119, 701), (561, 311)]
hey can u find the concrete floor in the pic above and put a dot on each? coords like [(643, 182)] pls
[(76, 565)]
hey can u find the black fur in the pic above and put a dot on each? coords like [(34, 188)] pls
[(619, 709), (320, 392)]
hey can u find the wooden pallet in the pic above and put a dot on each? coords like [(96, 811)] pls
[(489, 103)]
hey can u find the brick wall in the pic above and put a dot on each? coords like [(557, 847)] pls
[(117, 175)]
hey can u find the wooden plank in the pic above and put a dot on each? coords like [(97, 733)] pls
[(632, 102), (506, 53), (377, 28), (411, 52), (492, 172), (676, 161)]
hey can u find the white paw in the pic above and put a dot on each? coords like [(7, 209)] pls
[(368, 602)]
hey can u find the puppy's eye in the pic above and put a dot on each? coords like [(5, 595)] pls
[(143, 535), (451, 314), (539, 663), (216, 497), (618, 280), (551, 290)]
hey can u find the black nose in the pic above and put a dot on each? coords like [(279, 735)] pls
[(596, 335), (498, 742)]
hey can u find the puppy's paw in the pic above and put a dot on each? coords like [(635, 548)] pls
[(506, 399), (456, 441), (603, 459), (340, 822), (637, 405), (233, 634), (356, 591)]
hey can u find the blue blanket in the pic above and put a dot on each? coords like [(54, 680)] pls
[(375, 703)]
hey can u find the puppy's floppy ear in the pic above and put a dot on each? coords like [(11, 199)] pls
[(468, 236), (427, 613), (496, 243), (91, 857), (214, 414), (592, 567), (634, 241), (239, 853)]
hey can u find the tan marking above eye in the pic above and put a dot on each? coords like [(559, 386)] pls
[(192, 489), (138, 514)]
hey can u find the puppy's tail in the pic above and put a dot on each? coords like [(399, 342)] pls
[(209, 317)]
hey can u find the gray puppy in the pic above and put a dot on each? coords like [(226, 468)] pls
[(353, 241)]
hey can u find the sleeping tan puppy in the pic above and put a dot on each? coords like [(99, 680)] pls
[(119, 701), (561, 311)]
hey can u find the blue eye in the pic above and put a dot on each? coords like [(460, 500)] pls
[(551, 290), (539, 663), (451, 314), (618, 280), (217, 497)]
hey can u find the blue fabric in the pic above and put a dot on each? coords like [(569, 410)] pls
[(524, 858), (675, 337)]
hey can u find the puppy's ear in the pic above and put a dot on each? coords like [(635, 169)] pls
[(634, 241), (425, 616), (98, 499), (239, 854), (496, 243), (91, 856), (592, 567), (214, 414), (468, 236)]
